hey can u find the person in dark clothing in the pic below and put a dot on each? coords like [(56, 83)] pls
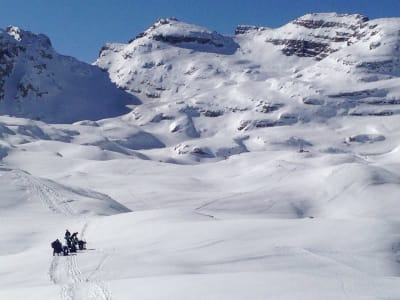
[(74, 238), (67, 234), (67, 238), (57, 247)]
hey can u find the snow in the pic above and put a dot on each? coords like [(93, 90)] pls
[(244, 173)]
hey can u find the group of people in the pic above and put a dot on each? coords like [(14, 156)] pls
[(72, 244)]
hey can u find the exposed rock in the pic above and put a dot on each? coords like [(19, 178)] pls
[(365, 138), (313, 101), (374, 113), (212, 113), (324, 34), (175, 32), (360, 94), (161, 117), (303, 48), (265, 107), (243, 29), (319, 20)]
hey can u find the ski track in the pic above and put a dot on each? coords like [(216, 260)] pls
[(79, 287), (47, 195), (53, 268)]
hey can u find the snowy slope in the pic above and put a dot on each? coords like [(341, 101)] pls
[(315, 68), (263, 165), (38, 83)]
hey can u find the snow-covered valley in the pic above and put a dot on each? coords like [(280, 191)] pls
[(259, 166)]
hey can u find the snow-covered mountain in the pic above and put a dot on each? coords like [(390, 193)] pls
[(263, 165), (38, 83), (197, 83)]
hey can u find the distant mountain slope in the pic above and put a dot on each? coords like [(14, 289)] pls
[(38, 83), (203, 92)]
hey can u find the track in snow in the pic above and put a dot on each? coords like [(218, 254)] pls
[(80, 287), (46, 193)]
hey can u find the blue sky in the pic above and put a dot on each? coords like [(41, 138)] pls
[(80, 27)]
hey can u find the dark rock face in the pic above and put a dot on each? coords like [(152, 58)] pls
[(284, 120), (13, 45), (182, 39), (361, 94), (243, 29), (8, 53), (391, 66), (212, 113), (324, 34), (320, 23), (303, 48), (180, 34), (154, 26), (268, 107)]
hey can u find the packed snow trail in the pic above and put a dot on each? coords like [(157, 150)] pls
[(78, 286)]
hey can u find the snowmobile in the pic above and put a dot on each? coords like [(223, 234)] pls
[(65, 250), (74, 245), (82, 245)]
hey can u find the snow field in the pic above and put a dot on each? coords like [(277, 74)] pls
[(245, 173)]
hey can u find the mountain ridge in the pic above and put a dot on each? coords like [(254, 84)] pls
[(205, 96), (38, 83), (315, 68)]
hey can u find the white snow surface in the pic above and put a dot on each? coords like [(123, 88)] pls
[(260, 166)]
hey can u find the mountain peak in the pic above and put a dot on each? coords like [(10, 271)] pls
[(38, 83), (172, 27), (15, 32), (171, 31), (27, 37)]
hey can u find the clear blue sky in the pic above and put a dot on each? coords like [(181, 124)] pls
[(80, 27)]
